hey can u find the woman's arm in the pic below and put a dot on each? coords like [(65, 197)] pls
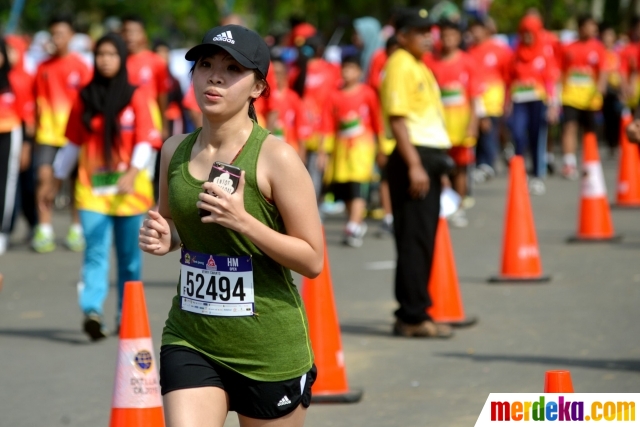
[(158, 234), (282, 177)]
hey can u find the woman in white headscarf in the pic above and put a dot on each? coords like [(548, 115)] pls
[(368, 39)]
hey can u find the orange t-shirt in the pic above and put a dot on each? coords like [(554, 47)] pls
[(291, 125), (57, 84), (493, 60), (17, 106), (612, 64), (459, 84), (94, 175), (376, 69), (582, 63)]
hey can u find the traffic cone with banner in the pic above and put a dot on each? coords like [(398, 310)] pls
[(136, 395), (558, 382), (520, 254), (594, 221), (331, 384), (628, 188), (443, 284)]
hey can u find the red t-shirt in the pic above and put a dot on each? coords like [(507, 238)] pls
[(149, 72), (457, 77), (136, 126), (493, 60), (351, 113), (582, 63), (376, 69), (533, 77), (189, 101), (322, 79), (18, 104), (629, 59), (291, 124), (265, 105), (553, 46), (57, 84)]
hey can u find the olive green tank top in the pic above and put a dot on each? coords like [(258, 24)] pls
[(271, 345)]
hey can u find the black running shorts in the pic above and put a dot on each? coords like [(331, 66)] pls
[(182, 367), (585, 118)]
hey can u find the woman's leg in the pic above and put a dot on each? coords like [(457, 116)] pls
[(538, 138), (10, 148), (129, 254), (294, 419), (518, 123), (95, 269), (196, 407)]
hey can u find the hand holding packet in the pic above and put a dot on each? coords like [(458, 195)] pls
[(225, 176)]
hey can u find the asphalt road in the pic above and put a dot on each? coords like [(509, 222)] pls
[(585, 320)]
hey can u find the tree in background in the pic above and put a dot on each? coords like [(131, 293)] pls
[(184, 21)]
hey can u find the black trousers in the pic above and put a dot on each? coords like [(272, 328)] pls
[(612, 114), (415, 225)]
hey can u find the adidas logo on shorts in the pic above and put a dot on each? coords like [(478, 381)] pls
[(284, 401), (224, 37)]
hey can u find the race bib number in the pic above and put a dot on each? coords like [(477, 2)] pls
[(216, 285), (105, 183)]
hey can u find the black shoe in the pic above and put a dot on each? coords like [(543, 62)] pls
[(93, 327), (551, 168)]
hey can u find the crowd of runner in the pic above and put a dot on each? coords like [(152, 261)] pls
[(527, 94)]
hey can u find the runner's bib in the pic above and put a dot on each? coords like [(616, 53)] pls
[(216, 285), (105, 183)]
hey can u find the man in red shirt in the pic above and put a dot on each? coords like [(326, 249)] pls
[(57, 84), (629, 66), (147, 70), (493, 60), (584, 81)]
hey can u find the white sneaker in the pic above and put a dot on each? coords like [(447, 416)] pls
[(468, 202), (355, 239), (459, 219), (4, 242), (537, 187)]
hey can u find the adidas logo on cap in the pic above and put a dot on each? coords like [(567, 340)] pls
[(284, 401), (224, 37)]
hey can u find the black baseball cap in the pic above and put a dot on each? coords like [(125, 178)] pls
[(413, 17), (245, 45)]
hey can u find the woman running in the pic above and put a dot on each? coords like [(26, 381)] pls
[(111, 135), (16, 114), (236, 338)]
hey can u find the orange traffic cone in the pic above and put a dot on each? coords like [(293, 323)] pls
[(136, 394), (594, 222), (628, 188), (520, 255), (331, 384), (443, 284), (558, 382)]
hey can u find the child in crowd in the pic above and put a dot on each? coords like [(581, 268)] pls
[(352, 114)]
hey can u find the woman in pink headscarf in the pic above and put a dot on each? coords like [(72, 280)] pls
[(532, 97)]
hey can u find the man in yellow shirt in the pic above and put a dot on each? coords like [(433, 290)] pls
[(414, 113)]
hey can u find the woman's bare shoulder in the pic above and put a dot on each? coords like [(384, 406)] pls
[(278, 152), (171, 144)]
